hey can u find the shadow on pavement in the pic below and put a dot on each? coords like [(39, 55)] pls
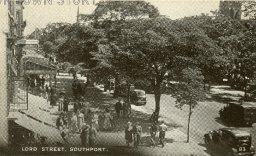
[(210, 150), (224, 98)]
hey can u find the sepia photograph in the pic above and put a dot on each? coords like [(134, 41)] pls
[(128, 77)]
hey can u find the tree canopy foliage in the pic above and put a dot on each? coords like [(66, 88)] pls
[(130, 40)]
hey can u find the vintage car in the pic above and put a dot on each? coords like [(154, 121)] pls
[(138, 97), (230, 141), (239, 113)]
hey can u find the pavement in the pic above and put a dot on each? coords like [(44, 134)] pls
[(41, 112)]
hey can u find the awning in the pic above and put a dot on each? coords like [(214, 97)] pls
[(52, 134), (38, 65)]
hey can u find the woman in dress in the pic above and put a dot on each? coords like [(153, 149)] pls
[(80, 120), (85, 135), (129, 134), (107, 120), (74, 123), (95, 121)]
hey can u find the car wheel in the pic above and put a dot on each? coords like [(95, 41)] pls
[(206, 141)]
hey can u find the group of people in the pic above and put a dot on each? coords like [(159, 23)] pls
[(123, 108), (133, 134), (154, 129), (82, 120), (36, 81)]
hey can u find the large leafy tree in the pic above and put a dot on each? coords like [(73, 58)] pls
[(108, 11), (79, 42), (152, 47), (110, 16), (215, 63)]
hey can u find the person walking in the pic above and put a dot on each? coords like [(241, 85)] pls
[(153, 131), (137, 132), (61, 101), (42, 82), (65, 104), (95, 121), (76, 106), (84, 136), (80, 120), (60, 122), (126, 109), (118, 107), (92, 135), (129, 134), (74, 128), (162, 130), (47, 93), (107, 120)]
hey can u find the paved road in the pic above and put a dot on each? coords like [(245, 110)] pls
[(203, 118)]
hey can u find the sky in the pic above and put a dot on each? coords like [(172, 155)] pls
[(38, 16)]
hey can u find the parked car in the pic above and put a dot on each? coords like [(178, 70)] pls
[(251, 92), (230, 141), (138, 97), (239, 113)]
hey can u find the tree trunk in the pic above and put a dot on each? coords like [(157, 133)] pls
[(117, 86), (245, 88), (157, 99), (189, 117)]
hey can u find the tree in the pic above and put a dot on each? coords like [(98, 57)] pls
[(110, 16), (150, 48), (214, 63), (108, 11), (189, 91), (78, 44)]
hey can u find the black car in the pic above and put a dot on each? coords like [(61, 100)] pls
[(230, 141)]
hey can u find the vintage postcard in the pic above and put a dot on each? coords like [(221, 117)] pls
[(130, 77)]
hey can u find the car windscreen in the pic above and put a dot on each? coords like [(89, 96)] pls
[(140, 93), (243, 139)]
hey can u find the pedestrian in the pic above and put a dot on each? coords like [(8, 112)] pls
[(127, 109), (92, 135), (47, 91), (153, 131), (107, 120), (65, 104), (129, 133), (79, 89), (74, 88), (153, 117), (61, 101), (85, 135), (74, 128), (85, 109), (69, 120), (80, 120), (118, 107), (162, 130), (65, 133), (42, 82), (95, 121), (76, 107), (60, 122), (137, 132), (53, 97)]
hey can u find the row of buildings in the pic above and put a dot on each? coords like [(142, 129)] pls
[(19, 60)]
